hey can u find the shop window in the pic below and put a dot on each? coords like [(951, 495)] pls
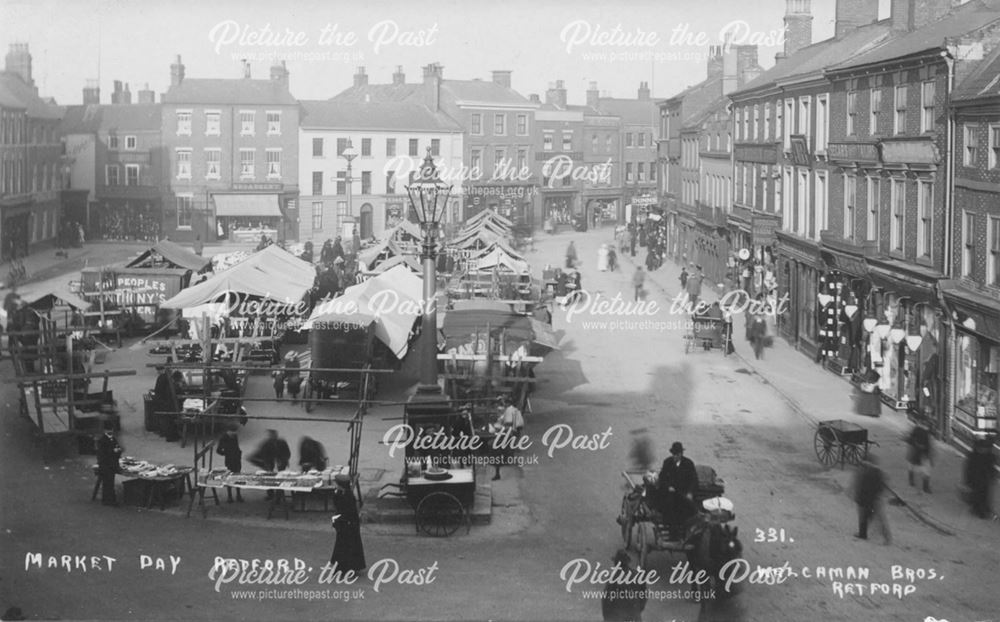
[(185, 207), (976, 386)]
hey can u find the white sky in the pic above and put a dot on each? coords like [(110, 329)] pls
[(136, 41)]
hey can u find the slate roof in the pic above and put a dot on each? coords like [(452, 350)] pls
[(631, 111), (404, 116), (963, 19), (15, 93), (819, 56), (229, 92), (698, 100), (982, 81), (94, 118), (481, 91)]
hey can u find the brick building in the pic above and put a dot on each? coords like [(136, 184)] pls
[(391, 140), (232, 147), (972, 295), (639, 127), (117, 161), (498, 124), (31, 161), (558, 140)]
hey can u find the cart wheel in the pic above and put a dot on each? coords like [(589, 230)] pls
[(440, 514), (642, 542), (854, 454), (825, 443), (625, 518)]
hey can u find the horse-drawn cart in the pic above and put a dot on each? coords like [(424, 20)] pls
[(843, 441), (708, 333)]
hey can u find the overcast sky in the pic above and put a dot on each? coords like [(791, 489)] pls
[(135, 41)]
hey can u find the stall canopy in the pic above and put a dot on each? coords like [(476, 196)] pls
[(44, 293), (470, 318), (396, 260), (404, 230), (501, 246), (488, 214), (259, 205), (484, 225), (172, 253), (272, 273), (501, 261), (392, 299), (371, 257)]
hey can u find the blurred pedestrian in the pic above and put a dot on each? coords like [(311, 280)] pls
[(312, 456), (758, 334), (278, 380), (684, 277), (273, 454), (869, 485), (919, 455), (979, 474), (293, 376), (337, 250), (571, 257), (693, 287), (198, 245), (229, 448), (638, 282)]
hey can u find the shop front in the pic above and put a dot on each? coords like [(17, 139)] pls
[(512, 201), (906, 337), (799, 269), (14, 230), (245, 218), (975, 395)]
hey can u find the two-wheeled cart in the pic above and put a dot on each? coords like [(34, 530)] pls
[(841, 441)]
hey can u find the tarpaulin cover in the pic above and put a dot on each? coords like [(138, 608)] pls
[(488, 214), (391, 298), (57, 288), (175, 254), (403, 229), (396, 260), (460, 325), (502, 261), (272, 273), (386, 248)]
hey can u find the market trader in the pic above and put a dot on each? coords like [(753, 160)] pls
[(108, 454)]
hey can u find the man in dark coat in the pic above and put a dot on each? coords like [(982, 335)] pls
[(337, 250), (229, 448), (273, 454), (920, 454), (625, 598), (979, 477), (108, 454), (676, 486), (311, 454), (165, 401), (348, 550), (869, 484)]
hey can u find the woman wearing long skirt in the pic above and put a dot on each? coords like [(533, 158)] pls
[(348, 552)]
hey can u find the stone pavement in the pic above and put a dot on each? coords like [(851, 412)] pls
[(819, 395)]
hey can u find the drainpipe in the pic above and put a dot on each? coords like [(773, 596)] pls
[(951, 341)]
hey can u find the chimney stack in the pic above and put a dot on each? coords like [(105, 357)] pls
[(246, 69), (502, 78), (398, 77), (126, 95), (714, 61), (643, 94), (91, 93), (853, 13), (798, 28), (593, 95), (556, 95), (18, 61), (116, 94), (746, 64), (177, 72), (360, 77), (433, 74), (909, 14), (146, 96), (533, 98), (279, 74)]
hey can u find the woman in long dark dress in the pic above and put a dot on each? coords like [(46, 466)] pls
[(348, 551)]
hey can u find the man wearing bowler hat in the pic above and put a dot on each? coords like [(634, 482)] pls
[(676, 485)]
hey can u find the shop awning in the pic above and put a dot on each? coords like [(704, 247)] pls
[(258, 205)]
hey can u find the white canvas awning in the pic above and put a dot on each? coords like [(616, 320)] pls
[(259, 205)]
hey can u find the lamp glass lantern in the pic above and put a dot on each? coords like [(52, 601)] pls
[(429, 195)]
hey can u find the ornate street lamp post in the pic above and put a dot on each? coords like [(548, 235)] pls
[(348, 154), (429, 199)]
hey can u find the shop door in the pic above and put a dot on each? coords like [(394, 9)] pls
[(366, 222)]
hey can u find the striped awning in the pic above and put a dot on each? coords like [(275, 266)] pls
[(261, 205)]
